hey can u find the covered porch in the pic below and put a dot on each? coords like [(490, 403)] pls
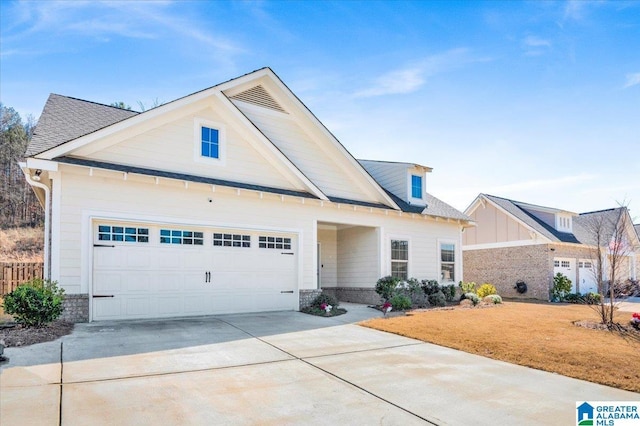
[(349, 261)]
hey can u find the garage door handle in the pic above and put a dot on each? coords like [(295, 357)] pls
[(102, 245), (290, 254), (103, 295), (287, 291)]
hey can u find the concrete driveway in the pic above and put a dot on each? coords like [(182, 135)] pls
[(275, 368)]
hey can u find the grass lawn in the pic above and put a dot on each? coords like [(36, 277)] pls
[(540, 336)]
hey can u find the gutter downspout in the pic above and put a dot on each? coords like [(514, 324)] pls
[(47, 219)]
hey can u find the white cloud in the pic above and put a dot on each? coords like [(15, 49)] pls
[(107, 19), (411, 78), (633, 79), (533, 41)]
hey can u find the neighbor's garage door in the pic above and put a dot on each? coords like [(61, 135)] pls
[(150, 271)]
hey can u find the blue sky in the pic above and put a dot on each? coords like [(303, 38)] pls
[(534, 101)]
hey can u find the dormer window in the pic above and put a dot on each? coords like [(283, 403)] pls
[(563, 223), (416, 186)]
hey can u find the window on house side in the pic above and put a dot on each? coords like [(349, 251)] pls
[(416, 186), (210, 143), (400, 259), (447, 262)]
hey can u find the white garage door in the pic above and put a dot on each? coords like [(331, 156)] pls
[(152, 271), (586, 271), (567, 268)]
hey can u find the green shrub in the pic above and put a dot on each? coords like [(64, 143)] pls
[(492, 298), (437, 299), (469, 287), (592, 298), (561, 287), (386, 286), (411, 289), (325, 298), (430, 287), (35, 303), (473, 297), (449, 292), (486, 289), (400, 302), (573, 298)]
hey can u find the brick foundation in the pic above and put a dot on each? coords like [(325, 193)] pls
[(76, 308), (365, 295), (307, 296)]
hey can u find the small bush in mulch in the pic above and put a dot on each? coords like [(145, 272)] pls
[(324, 305)]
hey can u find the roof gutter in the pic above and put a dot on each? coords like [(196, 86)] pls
[(35, 182)]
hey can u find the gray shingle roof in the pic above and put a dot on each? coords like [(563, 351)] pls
[(64, 119), (538, 225), (637, 228), (582, 224), (435, 207), (585, 224)]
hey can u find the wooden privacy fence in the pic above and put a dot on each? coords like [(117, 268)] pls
[(12, 274)]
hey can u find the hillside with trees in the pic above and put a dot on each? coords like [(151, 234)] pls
[(19, 206), (21, 216)]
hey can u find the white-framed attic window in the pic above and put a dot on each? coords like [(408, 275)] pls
[(209, 142), (416, 187), (564, 223)]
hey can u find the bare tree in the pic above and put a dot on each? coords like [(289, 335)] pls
[(610, 234)]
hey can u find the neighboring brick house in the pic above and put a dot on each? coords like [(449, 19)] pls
[(515, 241)]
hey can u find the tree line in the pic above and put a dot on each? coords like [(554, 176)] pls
[(18, 203)]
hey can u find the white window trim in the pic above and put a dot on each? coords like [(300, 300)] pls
[(457, 260), (389, 259), (198, 123)]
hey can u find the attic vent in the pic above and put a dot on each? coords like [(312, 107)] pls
[(259, 96)]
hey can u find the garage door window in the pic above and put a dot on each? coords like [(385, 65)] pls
[(232, 240), (173, 236), (123, 233), (279, 243)]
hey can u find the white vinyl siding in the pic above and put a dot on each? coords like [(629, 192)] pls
[(171, 146), (392, 177), (320, 166), (359, 249)]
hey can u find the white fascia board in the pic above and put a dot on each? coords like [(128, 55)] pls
[(36, 163), (346, 154), (505, 244), (143, 117), (480, 199), (272, 148)]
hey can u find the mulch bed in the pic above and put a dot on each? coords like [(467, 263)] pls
[(15, 335)]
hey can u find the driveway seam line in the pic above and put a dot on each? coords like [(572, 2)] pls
[(61, 386), (338, 377), (364, 350)]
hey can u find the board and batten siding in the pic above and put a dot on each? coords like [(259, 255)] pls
[(494, 226), (139, 199), (172, 147), (318, 165)]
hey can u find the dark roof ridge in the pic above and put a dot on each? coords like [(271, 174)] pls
[(602, 211)]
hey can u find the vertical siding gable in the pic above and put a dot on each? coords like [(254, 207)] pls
[(170, 147), (494, 226)]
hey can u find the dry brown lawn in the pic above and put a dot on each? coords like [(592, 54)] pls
[(540, 336)]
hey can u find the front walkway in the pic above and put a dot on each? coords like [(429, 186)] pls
[(274, 368)]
